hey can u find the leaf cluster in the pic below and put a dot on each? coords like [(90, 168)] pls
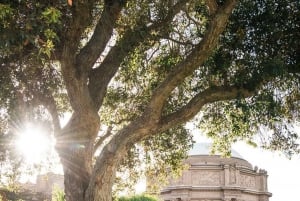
[(260, 43)]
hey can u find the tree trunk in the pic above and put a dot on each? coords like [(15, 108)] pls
[(100, 191), (83, 187), (77, 168), (103, 176), (104, 171), (75, 186), (75, 148)]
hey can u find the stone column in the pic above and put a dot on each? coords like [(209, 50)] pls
[(227, 175), (232, 171), (238, 175)]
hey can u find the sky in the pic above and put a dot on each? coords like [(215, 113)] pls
[(283, 174)]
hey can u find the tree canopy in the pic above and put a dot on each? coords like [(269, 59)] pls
[(133, 72)]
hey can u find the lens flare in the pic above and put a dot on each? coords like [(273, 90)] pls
[(33, 144)]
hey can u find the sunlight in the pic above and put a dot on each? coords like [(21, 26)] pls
[(33, 144), (140, 187)]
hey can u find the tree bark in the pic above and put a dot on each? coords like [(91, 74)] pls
[(75, 146), (75, 186)]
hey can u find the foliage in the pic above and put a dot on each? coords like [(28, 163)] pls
[(58, 194), (137, 198), (257, 46)]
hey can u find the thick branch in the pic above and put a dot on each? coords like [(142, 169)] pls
[(144, 125), (81, 18), (74, 78), (102, 33), (200, 54), (219, 93), (111, 155), (212, 6), (210, 95), (130, 40)]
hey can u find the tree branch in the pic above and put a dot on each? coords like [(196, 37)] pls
[(47, 100), (131, 39), (220, 93), (187, 43), (210, 95), (51, 107), (102, 138), (212, 6), (144, 125), (74, 77), (197, 57), (102, 33), (81, 18)]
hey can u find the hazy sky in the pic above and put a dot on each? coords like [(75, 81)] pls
[(284, 174)]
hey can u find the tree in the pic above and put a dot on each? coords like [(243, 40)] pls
[(140, 69)]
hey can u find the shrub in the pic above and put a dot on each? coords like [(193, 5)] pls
[(58, 194), (137, 198)]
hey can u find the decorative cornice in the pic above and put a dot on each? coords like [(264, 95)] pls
[(215, 188)]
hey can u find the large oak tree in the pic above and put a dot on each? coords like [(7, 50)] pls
[(140, 69)]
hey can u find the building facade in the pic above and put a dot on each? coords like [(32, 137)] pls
[(45, 184), (213, 178)]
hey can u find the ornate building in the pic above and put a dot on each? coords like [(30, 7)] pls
[(213, 178)]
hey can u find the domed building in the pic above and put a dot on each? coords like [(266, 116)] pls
[(213, 178)]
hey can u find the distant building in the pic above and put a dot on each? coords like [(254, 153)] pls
[(213, 178), (45, 183)]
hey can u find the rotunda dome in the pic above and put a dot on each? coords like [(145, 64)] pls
[(205, 148), (200, 154), (213, 177)]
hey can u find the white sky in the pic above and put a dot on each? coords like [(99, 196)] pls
[(284, 174)]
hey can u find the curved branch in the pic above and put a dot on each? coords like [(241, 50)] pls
[(197, 57), (219, 93), (210, 95), (107, 161)]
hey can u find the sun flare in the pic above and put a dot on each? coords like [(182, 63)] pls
[(33, 144)]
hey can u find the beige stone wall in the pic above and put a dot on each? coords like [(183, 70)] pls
[(45, 183)]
